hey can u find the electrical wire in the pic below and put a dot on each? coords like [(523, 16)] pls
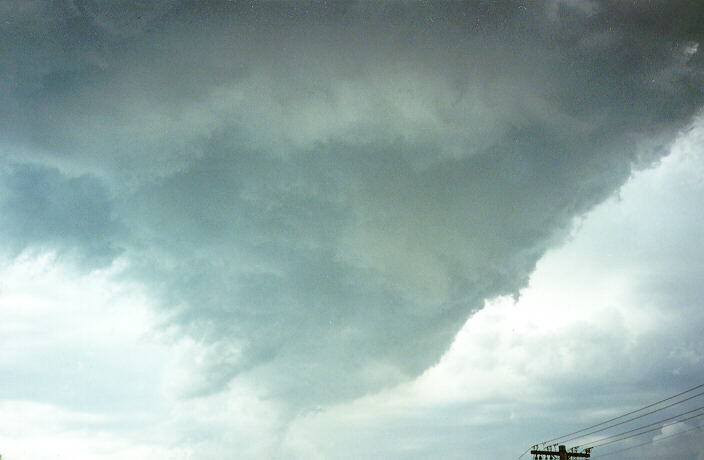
[(634, 418), (646, 426), (527, 450), (624, 415), (619, 417), (644, 432), (652, 441)]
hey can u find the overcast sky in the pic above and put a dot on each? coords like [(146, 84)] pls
[(346, 229)]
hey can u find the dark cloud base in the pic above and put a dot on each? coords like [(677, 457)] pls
[(326, 192)]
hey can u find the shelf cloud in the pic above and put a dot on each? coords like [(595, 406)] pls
[(323, 193)]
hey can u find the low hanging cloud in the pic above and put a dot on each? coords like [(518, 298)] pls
[(324, 193)]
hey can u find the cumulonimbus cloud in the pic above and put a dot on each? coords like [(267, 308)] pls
[(324, 193)]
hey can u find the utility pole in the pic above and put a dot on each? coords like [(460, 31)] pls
[(562, 453)]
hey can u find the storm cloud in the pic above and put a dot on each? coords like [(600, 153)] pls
[(324, 193)]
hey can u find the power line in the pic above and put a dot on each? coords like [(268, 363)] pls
[(527, 450), (652, 441), (620, 417), (624, 415), (634, 418), (639, 434), (646, 426)]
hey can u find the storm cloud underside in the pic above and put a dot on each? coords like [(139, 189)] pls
[(323, 194)]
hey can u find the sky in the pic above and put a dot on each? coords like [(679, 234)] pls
[(321, 230)]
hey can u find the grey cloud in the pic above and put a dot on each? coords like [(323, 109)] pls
[(42, 209), (328, 192), (631, 275)]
